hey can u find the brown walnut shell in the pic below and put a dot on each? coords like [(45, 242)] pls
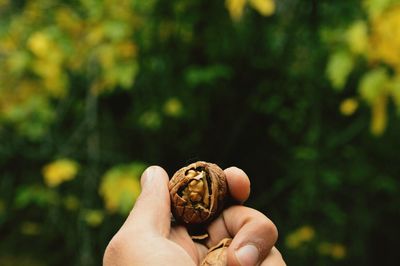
[(217, 255), (197, 192)]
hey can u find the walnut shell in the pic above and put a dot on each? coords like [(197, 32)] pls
[(197, 192), (217, 255)]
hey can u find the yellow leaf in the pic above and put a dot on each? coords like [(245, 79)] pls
[(357, 37), (235, 8), (4, 3), (93, 217), (106, 55), (372, 84), (264, 7), (120, 187), (292, 241), (385, 38), (30, 228), (95, 35), (338, 251), (375, 7), (71, 203), (39, 43), (173, 107), (298, 237), (339, 66), (306, 233), (127, 49), (46, 69), (348, 106), (67, 19), (59, 171), (334, 250), (379, 115)]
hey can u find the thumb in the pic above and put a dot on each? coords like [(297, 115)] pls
[(151, 212)]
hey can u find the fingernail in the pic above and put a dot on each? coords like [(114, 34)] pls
[(148, 175), (247, 255)]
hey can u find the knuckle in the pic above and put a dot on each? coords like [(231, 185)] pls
[(263, 224), (272, 230), (267, 227)]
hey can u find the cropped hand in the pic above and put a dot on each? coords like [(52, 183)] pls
[(147, 237)]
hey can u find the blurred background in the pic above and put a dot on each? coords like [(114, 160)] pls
[(302, 95)]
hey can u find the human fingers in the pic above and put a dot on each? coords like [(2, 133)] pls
[(180, 236), (151, 212), (274, 258), (148, 222), (238, 183), (253, 235)]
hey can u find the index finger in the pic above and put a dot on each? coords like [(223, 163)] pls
[(238, 183), (248, 228)]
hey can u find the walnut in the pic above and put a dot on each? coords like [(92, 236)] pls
[(217, 255), (198, 193)]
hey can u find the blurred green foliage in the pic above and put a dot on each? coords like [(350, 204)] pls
[(303, 95)]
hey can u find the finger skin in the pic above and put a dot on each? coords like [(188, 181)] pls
[(151, 212), (143, 238), (144, 250), (238, 183), (149, 222), (180, 236), (274, 258), (246, 226), (152, 208)]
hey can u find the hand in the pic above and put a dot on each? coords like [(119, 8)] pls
[(147, 237)]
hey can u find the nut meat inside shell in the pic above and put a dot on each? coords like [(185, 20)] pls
[(197, 192)]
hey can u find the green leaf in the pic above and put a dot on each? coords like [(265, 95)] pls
[(150, 120), (372, 84), (206, 75), (395, 92), (36, 195), (357, 37), (305, 153), (340, 64), (116, 30), (18, 62), (375, 7), (126, 74)]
